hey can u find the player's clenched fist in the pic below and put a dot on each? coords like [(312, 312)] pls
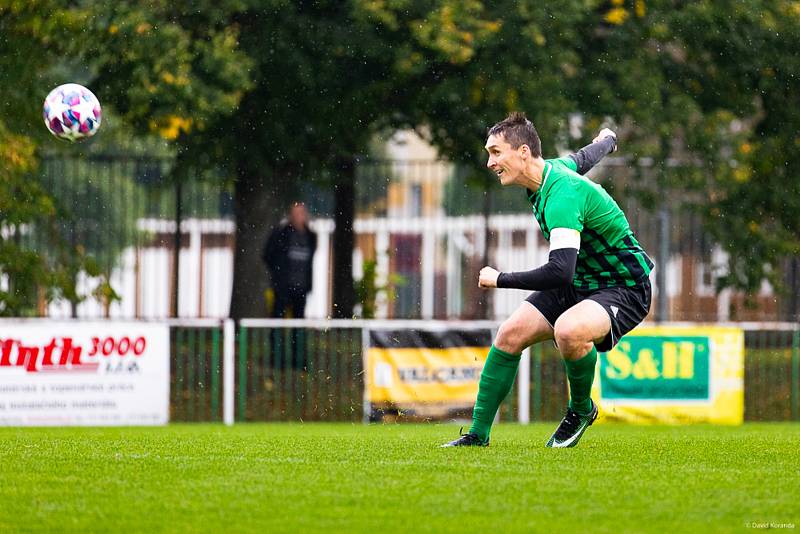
[(606, 132), (488, 277)]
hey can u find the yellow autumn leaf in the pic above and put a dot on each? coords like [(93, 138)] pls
[(617, 16)]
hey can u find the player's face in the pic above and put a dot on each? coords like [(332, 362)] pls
[(506, 162), (298, 216)]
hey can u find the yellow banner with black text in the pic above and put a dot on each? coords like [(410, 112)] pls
[(431, 373)]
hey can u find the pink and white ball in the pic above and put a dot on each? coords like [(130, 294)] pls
[(72, 112)]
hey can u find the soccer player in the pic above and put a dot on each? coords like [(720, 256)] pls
[(593, 290)]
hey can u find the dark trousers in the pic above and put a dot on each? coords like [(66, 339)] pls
[(294, 300), (289, 348)]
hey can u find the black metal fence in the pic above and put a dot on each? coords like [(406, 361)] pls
[(103, 199), (317, 374)]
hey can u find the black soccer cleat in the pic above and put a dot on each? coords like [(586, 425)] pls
[(571, 429), (467, 440)]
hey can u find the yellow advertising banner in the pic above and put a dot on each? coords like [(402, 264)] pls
[(411, 375), (673, 374), (432, 373)]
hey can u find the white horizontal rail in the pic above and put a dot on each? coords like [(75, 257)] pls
[(222, 226), (360, 225), (417, 324), (377, 323), (744, 325), (440, 224), (179, 322)]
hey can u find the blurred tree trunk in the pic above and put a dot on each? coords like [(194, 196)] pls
[(343, 238), (260, 201)]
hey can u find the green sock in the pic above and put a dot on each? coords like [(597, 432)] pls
[(497, 378), (580, 373)]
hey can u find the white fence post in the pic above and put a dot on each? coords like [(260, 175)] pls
[(365, 403), (524, 387), (228, 369)]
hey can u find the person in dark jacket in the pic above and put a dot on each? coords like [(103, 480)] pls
[(288, 255)]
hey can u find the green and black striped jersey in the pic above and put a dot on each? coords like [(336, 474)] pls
[(610, 255)]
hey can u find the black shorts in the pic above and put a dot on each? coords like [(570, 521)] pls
[(626, 306)]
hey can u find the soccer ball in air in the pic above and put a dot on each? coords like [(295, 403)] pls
[(72, 112)]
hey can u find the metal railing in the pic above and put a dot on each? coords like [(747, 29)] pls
[(196, 370), (307, 370), (310, 372)]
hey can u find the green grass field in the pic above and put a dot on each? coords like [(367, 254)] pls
[(395, 478)]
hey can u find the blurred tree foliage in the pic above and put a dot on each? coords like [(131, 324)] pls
[(31, 37), (277, 92), (712, 87), (709, 87)]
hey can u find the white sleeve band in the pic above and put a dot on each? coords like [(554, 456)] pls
[(564, 238)]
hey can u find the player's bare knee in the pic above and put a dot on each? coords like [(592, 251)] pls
[(510, 337), (571, 339), (564, 332)]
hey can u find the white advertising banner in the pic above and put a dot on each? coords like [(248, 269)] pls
[(83, 373)]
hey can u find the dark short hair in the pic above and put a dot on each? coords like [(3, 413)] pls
[(517, 131)]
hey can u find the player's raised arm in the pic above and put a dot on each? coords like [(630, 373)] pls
[(604, 144), (557, 272)]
